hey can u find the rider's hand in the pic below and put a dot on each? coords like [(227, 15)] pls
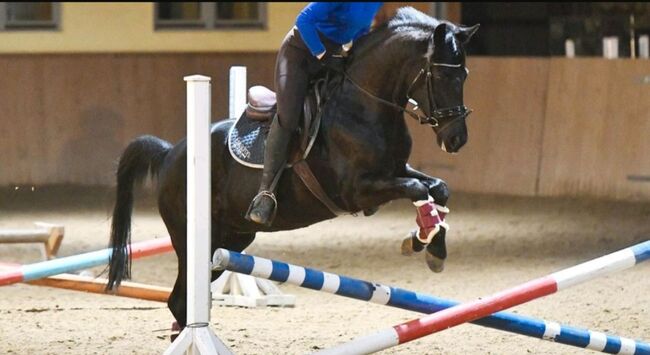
[(335, 63), (346, 47)]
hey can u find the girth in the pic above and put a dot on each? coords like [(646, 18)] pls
[(302, 169)]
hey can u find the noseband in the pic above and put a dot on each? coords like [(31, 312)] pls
[(437, 114)]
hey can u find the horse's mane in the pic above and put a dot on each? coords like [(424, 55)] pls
[(408, 23), (410, 17)]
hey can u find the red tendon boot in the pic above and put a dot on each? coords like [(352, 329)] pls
[(430, 218)]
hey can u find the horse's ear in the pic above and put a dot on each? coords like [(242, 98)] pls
[(463, 34), (439, 34)]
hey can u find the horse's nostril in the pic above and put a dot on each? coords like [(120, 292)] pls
[(456, 142)]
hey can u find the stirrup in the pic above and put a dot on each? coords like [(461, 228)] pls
[(267, 194), (273, 212)]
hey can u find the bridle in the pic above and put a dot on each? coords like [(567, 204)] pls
[(436, 114)]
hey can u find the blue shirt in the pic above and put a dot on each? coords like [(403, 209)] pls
[(341, 22)]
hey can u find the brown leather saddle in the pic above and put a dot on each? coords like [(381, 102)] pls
[(247, 137)]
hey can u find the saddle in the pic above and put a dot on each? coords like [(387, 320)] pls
[(247, 137)]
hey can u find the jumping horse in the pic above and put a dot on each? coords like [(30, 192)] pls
[(360, 152)]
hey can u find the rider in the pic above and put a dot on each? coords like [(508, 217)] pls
[(321, 29)]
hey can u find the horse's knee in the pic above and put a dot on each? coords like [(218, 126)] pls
[(440, 192)]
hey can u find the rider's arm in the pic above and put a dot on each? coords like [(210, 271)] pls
[(361, 32), (306, 23)]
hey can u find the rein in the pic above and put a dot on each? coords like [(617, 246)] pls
[(436, 115)]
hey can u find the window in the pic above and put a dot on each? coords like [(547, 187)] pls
[(541, 28), (28, 15), (210, 15)]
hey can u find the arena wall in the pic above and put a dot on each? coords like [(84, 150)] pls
[(541, 126)]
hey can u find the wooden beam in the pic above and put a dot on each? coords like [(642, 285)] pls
[(97, 285)]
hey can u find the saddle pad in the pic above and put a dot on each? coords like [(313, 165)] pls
[(246, 141), (247, 138)]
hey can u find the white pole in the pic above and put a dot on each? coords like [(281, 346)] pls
[(198, 198), (197, 337), (610, 47), (569, 48), (237, 91), (644, 46)]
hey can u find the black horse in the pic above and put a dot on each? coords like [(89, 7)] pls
[(360, 154)]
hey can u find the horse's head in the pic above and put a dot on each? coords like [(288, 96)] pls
[(421, 60), (437, 88)]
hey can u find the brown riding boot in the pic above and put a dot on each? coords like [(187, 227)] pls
[(263, 207)]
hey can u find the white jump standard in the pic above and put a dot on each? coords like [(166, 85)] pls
[(197, 337)]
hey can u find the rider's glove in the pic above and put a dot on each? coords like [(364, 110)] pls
[(334, 62)]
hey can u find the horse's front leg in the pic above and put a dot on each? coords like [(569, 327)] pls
[(437, 248), (437, 187), (373, 192)]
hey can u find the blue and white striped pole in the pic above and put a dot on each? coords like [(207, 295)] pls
[(418, 302)]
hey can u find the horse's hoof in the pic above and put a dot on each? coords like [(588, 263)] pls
[(407, 246), (435, 263), (176, 329)]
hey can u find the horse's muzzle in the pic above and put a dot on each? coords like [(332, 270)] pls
[(455, 143)]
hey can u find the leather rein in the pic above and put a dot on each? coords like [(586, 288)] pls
[(437, 114)]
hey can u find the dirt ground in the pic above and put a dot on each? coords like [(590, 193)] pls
[(495, 242)]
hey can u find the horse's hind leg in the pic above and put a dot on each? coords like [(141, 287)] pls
[(222, 237), (176, 226), (177, 302)]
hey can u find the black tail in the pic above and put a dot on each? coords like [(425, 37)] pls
[(142, 156)]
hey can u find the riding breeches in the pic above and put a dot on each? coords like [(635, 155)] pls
[(294, 68)]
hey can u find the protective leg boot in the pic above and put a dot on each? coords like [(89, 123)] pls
[(263, 207)]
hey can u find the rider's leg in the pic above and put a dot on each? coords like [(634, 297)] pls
[(292, 80)]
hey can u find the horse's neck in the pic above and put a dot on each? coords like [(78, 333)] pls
[(382, 71), (372, 80)]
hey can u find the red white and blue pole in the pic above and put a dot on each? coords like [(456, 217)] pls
[(419, 302), (527, 292)]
